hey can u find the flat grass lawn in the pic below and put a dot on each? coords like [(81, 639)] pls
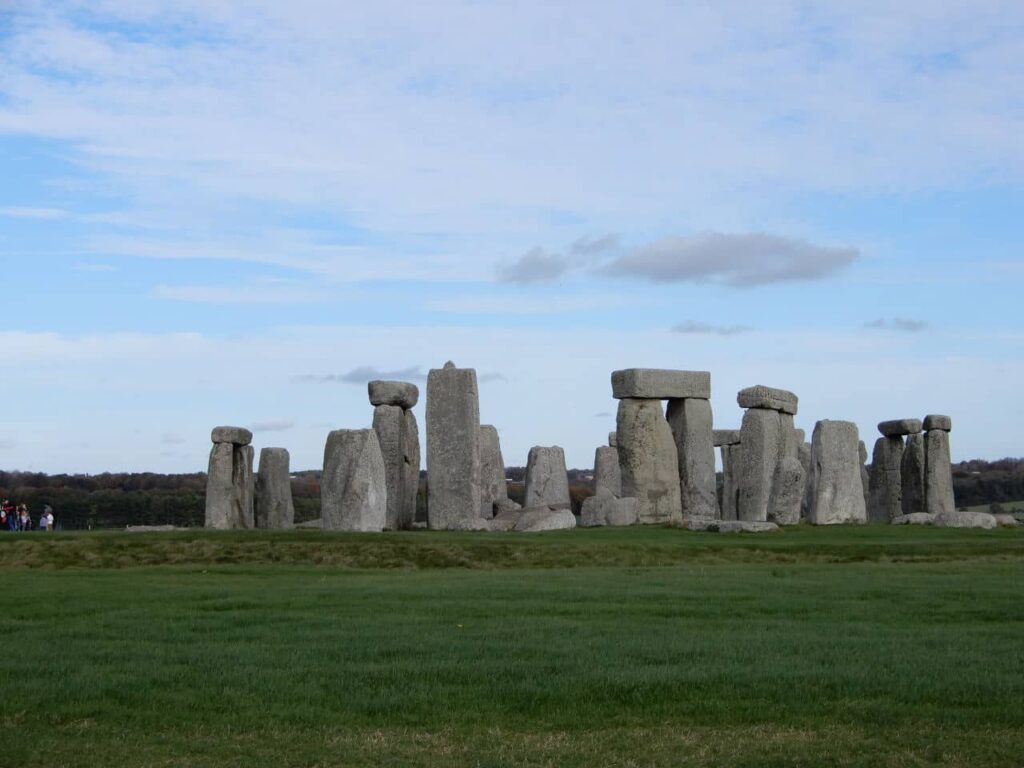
[(856, 646)]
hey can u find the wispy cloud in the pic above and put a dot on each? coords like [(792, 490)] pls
[(517, 305), (94, 268), (697, 327), (272, 426), (534, 266), (901, 324), (259, 293), (18, 212), (364, 374)]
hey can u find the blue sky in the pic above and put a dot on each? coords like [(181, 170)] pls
[(236, 212)]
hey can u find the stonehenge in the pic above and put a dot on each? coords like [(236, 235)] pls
[(274, 507), (607, 473), (771, 478), (353, 487), (648, 461), (547, 482), (838, 493), (494, 491), (230, 487), (938, 472), (912, 474), (728, 440), (398, 435)]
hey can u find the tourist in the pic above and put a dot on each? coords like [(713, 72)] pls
[(12, 520), (48, 515), (4, 513), (25, 520)]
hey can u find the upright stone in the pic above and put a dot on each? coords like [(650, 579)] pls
[(389, 424), (691, 424), (731, 463), (220, 488), (760, 437), (649, 461), (411, 472), (492, 471), (274, 506), (838, 488), (607, 474), (547, 483), (912, 474), (804, 455), (787, 492), (613, 440), (353, 488), (886, 484), (938, 470), (453, 449), (245, 487), (865, 479)]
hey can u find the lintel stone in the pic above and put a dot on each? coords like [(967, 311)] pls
[(660, 384), (235, 435), (935, 421), (772, 399), (722, 437), (900, 427)]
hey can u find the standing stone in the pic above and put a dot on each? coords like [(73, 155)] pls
[(865, 479), (607, 474), (691, 424), (838, 487), (547, 483), (494, 490), (274, 506), (245, 487), (613, 440), (353, 488), (912, 474), (649, 461), (787, 492), (938, 473), (886, 498), (220, 488), (731, 462), (789, 436), (804, 456), (760, 437), (453, 449), (389, 424)]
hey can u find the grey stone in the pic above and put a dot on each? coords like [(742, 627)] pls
[(691, 424), (153, 528), (899, 427), (317, 523), (389, 424), (803, 455), (660, 384), (787, 492), (411, 470), (788, 441), (914, 518), (912, 474), (235, 435), (731, 462), (838, 487), (938, 473), (503, 521), (957, 519), (353, 488), (607, 474), (506, 505), (453, 449), (936, 421), (886, 483), (801, 436), (537, 519), (760, 442), (607, 511), (649, 462), (245, 486), (865, 479), (493, 488), (547, 483), (729, 526), (760, 396), (220, 489), (722, 437), (274, 506), (400, 393), (1008, 521), (613, 440)]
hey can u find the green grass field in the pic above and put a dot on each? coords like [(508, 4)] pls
[(634, 647)]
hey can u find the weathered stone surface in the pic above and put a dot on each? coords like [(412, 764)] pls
[(899, 427), (220, 493), (317, 523), (864, 477), (613, 440), (607, 510), (540, 519), (691, 424), (245, 486), (411, 470), (729, 526), (914, 518), (399, 393), (659, 384), (722, 437), (607, 474), (154, 528), (506, 505), (760, 440), (547, 483), (731, 462), (649, 462), (803, 454), (235, 435), (389, 424), (838, 487), (912, 474), (773, 399), (788, 441), (957, 519), (801, 436), (492, 471), (274, 507), (453, 448), (938, 473), (787, 492), (886, 482), (936, 421), (1005, 520), (353, 488)]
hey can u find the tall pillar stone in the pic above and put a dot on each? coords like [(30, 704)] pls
[(938, 469), (760, 438), (728, 441), (865, 478), (912, 474), (353, 487), (886, 485), (392, 421), (411, 471), (691, 422), (494, 490), (547, 483), (771, 478), (453, 449), (607, 474), (274, 506), (838, 487), (230, 484), (804, 455), (649, 461)]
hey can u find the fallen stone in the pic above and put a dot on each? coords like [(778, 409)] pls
[(729, 526), (787, 492), (761, 443), (411, 470), (935, 421), (723, 437), (886, 482), (1008, 521), (398, 393), (607, 511), (453, 448), (649, 462), (389, 424), (773, 399), (957, 519), (493, 488), (659, 384), (912, 474), (938, 473), (691, 424), (914, 518), (607, 473), (154, 528), (899, 427), (317, 523), (274, 507), (838, 487), (505, 506), (540, 519), (547, 482), (234, 435), (353, 488)]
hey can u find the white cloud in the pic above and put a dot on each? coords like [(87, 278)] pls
[(34, 213)]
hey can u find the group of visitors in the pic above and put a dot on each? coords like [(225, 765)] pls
[(18, 518)]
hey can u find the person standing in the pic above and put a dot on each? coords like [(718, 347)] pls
[(49, 518), (25, 521)]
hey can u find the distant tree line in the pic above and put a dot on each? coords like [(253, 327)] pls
[(988, 482)]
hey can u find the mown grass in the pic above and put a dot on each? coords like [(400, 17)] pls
[(853, 647)]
